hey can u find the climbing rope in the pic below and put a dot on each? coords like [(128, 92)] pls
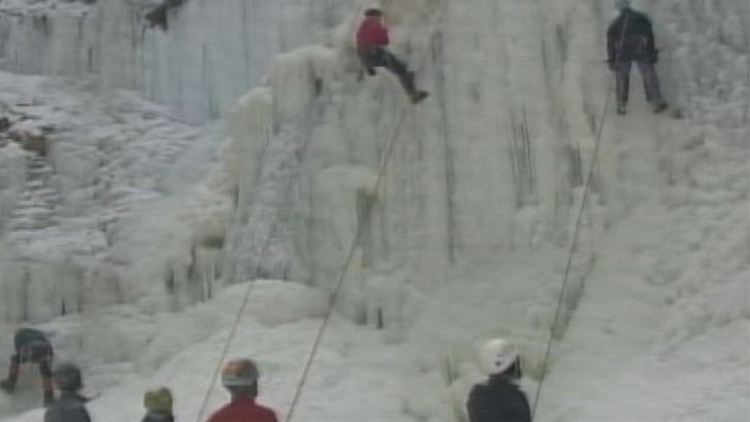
[(576, 231), (224, 352), (334, 295), (235, 325), (355, 242), (232, 333)]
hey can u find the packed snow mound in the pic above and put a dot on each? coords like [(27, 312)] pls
[(191, 341), (277, 302), (159, 337)]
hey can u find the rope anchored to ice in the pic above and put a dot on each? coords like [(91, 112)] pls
[(355, 242)]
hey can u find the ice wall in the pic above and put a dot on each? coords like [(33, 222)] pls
[(75, 169), (488, 166), (487, 173), (704, 53), (468, 234), (201, 58), (491, 166)]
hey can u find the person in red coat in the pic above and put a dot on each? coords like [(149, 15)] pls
[(240, 377), (372, 39)]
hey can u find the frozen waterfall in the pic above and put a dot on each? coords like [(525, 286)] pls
[(159, 157)]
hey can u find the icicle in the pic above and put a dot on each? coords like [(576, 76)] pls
[(297, 77)]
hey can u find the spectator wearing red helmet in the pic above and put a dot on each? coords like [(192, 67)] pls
[(240, 377)]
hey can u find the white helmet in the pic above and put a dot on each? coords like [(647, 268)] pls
[(497, 355)]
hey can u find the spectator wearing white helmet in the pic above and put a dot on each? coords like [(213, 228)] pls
[(499, 399)]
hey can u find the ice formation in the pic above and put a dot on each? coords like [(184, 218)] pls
[(199, 63), (114, 209)]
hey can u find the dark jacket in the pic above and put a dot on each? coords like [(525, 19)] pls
[(157, 417), (28, 336), (498, 400), (70, 407), (32, 345), (631, 38)]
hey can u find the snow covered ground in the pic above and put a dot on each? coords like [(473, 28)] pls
[(467, 239)]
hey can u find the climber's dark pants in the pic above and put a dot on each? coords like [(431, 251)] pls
[(377, 56), (650, 82), (40, 354)]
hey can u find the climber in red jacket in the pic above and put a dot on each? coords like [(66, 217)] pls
[(372, 38)]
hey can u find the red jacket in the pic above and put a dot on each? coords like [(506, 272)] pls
[(371, 32), (243, 410)]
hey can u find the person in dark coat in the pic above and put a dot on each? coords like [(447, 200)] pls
[(372, 40), (70, 406), (31, 346), (630, 39), (499, 399), (158, 404)]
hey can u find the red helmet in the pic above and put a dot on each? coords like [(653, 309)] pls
[(239, 373)]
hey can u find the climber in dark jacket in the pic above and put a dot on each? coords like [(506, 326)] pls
[(372, 40), (31, 346), (499, 399), (630, 38), (71, 406)]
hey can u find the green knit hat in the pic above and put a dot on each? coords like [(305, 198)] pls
[(159, 401)]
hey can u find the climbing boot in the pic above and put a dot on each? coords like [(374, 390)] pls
[(407, 81), (418, 96)]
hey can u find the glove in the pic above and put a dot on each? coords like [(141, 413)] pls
[(612, 65)]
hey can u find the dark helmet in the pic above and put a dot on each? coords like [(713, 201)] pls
[(67, 377)]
